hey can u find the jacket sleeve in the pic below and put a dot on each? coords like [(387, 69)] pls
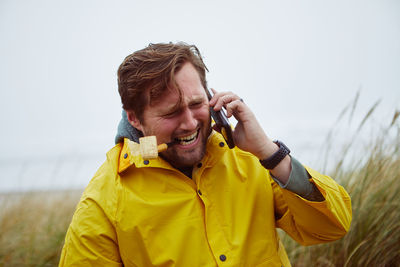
[(91, 239), (310, 222)]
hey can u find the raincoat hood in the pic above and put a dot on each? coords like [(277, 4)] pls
[(126, 130)]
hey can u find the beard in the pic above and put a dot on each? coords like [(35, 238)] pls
[(181, 158)]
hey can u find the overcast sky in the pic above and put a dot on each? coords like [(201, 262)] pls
[(295, 63)]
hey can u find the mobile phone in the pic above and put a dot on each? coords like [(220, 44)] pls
[(222, 121)]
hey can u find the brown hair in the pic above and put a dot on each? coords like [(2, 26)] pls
[(146, 74)]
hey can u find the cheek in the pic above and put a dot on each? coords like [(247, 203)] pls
[(167, 126), (158, 127), (204, 114)]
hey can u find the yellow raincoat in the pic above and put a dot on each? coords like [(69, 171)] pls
[(146, 213)]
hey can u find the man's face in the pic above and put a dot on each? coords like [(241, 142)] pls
[(188, 123)]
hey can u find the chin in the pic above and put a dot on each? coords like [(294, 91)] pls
[(181, 158), (185, 159)]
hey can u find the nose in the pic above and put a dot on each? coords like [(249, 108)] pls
[(188, 120)]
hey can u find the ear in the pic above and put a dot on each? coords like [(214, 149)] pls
[(133, 120)]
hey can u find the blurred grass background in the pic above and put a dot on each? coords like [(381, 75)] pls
[(370, 172), (33, 225)]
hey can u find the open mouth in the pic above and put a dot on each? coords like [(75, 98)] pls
[(187, 140)]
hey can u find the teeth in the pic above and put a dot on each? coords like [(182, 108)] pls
[(187, 140)]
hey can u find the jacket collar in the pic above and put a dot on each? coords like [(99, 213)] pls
[(129, 155)]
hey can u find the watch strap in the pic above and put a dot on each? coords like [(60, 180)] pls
[(277, 157)]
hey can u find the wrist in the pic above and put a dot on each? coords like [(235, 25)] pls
[(271, 161), (267, 150)]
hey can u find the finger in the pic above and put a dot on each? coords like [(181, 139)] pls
[(217, 95), (224, 100), (233, 108), (213, 98)]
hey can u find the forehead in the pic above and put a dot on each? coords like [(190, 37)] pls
[(190, 89), (189, 83)]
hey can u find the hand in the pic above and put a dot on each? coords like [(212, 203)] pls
[(248, 134)]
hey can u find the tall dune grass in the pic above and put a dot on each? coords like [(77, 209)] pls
[(372, 178)]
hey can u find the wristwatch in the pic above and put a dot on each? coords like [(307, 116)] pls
[(277, 157)]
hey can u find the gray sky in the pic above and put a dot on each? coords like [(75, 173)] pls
[(296, 63)]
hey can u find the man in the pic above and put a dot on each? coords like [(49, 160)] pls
[(199, 203)]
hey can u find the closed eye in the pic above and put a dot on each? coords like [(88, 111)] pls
[(197, 104), (170, 114)]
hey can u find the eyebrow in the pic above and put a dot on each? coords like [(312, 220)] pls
[(170, 109), (196, 99), (174, 107)]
